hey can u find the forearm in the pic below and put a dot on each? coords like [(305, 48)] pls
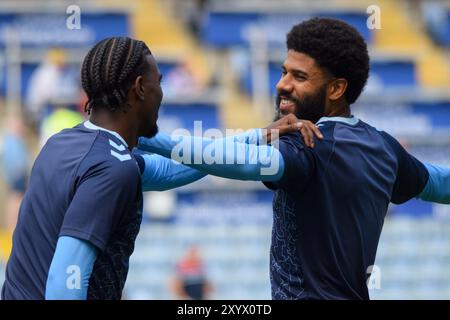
[(437, 188), (164, 174), (70, 270), (220, 157), (251, 136), (163, 144)]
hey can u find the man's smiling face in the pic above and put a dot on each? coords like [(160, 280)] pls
[(302, 88)]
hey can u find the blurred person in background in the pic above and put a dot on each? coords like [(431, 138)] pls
[(53, 72), (190, 281), (15, 167), (181, 82), (60, 118)]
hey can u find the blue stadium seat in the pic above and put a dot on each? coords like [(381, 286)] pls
[(228, 29), (394, 73)]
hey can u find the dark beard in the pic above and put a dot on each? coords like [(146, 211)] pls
[(311, 107), (151, 133)]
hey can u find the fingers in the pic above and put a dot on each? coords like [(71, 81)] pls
[(282, 123), (291, 123), (307, 136), (293, 127), (309, 130), (317, 131), (291, 118)]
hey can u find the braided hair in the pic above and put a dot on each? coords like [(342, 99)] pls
[(109, 69)]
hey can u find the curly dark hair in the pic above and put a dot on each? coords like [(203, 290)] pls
[(335, 46), (109, 70)]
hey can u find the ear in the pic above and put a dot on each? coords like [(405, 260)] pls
[(337, 89), (139, 87)]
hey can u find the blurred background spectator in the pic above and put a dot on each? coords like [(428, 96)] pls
[(60, 118), (221, 60), (15, 160), (180, 82), (50, 81), (190, 280)]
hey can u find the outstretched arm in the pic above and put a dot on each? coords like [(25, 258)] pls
[(162, 174), (244, 157), (416, 179), (221, 157), (437, 188)]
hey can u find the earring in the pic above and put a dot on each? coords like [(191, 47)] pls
[(141, 98)]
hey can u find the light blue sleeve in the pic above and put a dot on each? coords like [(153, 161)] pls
[(227, 157), (437, 188), (164, 174), (70, 270), (252, 136)]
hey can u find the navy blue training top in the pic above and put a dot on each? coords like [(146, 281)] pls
[(330, 205), (85, 183)]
